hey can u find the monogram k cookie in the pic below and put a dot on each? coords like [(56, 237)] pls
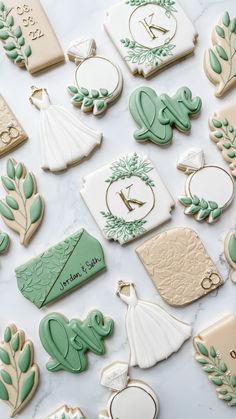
[(127, 198)]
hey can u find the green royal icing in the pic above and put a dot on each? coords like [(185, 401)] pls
[(232, 247), (156, 115), (4, 243), (89, 99), (202, 209), (225, 134), (67, 342)]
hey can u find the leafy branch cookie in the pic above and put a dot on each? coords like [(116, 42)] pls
[(19, 375), (220, 60), (22, 209)]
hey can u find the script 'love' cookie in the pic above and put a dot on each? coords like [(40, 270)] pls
[(209, 189), (150, 34), (61, 268), (127, 198), (179, 266), (11, 132), (66, 412), (98, 81), (19, 376), (156, 115), (22, 209), (220, 60), (28, 38), (223, 133), (68, 341), (130, 398), (216, 353)]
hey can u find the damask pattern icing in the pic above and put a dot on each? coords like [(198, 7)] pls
[(61, 268), (179, 266)]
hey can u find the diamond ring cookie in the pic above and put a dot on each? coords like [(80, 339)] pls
[(130, 398), (220, 59), (11, 132), (22, 209), (223, 133), (127, 198), (150, 34), (153, 334), (28, 38), (68, 341), (66, 412), (179, 266), (98, 81), (216, 353), (209, 189), (61, 268), (156, 115), (19, 376)]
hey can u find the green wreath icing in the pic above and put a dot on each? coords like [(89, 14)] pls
[(201, 208), (89, 99)]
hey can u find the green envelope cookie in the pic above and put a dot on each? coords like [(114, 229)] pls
[(61, 268)]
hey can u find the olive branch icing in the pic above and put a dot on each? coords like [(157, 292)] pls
[(18, 373), (221, 57), (168, 5), (201, 208), (12, 37), (223, 133), (218, 372), (125, 167), (23, 207), (90, 99)]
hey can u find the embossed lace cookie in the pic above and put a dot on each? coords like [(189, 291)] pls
[(223, 133), (60, 269), (19, 376), (28, 38), (127, 198), (150, 34), (66, 412), (179, 266), (216, 353), (220, 60)]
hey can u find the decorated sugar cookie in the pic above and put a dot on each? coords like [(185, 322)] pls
[(11, 132), (179, 266), (223, 133), (156, 116), (230, 253), (28, 38), (61, 269), (68, 341), (4, 243), (220, 59), (66, 412), (153, 334), (130, 398), (216, 353), (19, 376), (64, 139), (98, 81), (150, 34), (22, 209), (127, 198), (209, 189)]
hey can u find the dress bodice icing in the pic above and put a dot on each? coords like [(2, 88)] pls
[(130, 299), (42, 103)]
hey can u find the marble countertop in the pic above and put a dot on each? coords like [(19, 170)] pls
[(182, 388)]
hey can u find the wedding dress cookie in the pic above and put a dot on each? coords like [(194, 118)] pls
[(153, 334), (220, 60), (61, 269), (66, 412), (11, 132), (230, 253), (130, 399), (157, 115), (209, 189), (150, 34), (127, 198), (98, 81), (223, 133), (22, 209), (64, 139), (28, 38), (216, 353), (58, 333), (19, 376), (179, 266)]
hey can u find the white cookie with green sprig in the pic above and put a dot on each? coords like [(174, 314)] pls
[(66, 412)]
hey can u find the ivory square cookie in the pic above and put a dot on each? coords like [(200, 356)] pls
[(150, 34), (127, 198)]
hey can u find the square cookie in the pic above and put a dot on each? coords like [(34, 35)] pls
[(127, 198)]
